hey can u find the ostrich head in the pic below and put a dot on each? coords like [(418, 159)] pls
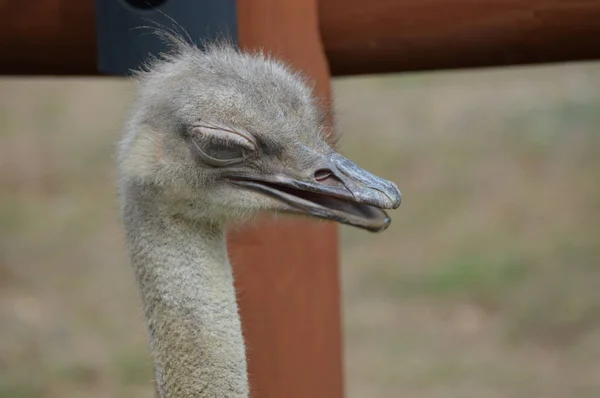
[(220, 135)]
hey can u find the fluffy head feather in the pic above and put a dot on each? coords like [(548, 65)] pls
[(249, 93)]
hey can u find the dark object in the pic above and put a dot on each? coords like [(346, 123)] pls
[(125, 28)]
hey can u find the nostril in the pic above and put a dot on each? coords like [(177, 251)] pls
[(326, 177), (322, 174)]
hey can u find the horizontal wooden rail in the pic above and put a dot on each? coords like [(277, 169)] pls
[(400, 35), (58, 36), (48, 37)]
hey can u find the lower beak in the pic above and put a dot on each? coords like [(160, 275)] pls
[(337, 190)]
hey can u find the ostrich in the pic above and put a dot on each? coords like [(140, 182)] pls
[(215, 136)]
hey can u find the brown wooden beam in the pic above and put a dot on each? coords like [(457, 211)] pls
[(58, 36), (287, 270), (403, 35), (48, 37)]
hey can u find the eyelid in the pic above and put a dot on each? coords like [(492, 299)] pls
[(214, 161), (217, 130)]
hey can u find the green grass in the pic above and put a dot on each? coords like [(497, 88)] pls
[(19, 390), (474, 274), (133, 368)]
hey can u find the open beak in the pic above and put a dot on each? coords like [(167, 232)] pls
[(337, 189)]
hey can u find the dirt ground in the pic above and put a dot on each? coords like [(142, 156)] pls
[(484, 286)]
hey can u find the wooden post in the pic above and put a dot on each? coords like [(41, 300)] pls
[(287, 270)]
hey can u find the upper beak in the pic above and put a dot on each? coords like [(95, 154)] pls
[(335, 189)]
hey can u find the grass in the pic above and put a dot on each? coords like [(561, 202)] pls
[(484, 285)]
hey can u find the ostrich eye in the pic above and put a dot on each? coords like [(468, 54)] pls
[(221, 150), (218, 145), (218, 153)]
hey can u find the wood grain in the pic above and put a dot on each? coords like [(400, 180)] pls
[(408, 35), (287, 270), (48, 37), (58, 36)]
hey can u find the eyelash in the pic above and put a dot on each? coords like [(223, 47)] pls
[(219, 141), (245, 140)]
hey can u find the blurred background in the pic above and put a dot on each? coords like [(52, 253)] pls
[(484, 286)]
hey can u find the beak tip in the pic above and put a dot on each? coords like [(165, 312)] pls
[(386, 223), (395, 199), (399, 200)]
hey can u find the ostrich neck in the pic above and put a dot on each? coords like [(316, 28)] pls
[(189, 301)]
